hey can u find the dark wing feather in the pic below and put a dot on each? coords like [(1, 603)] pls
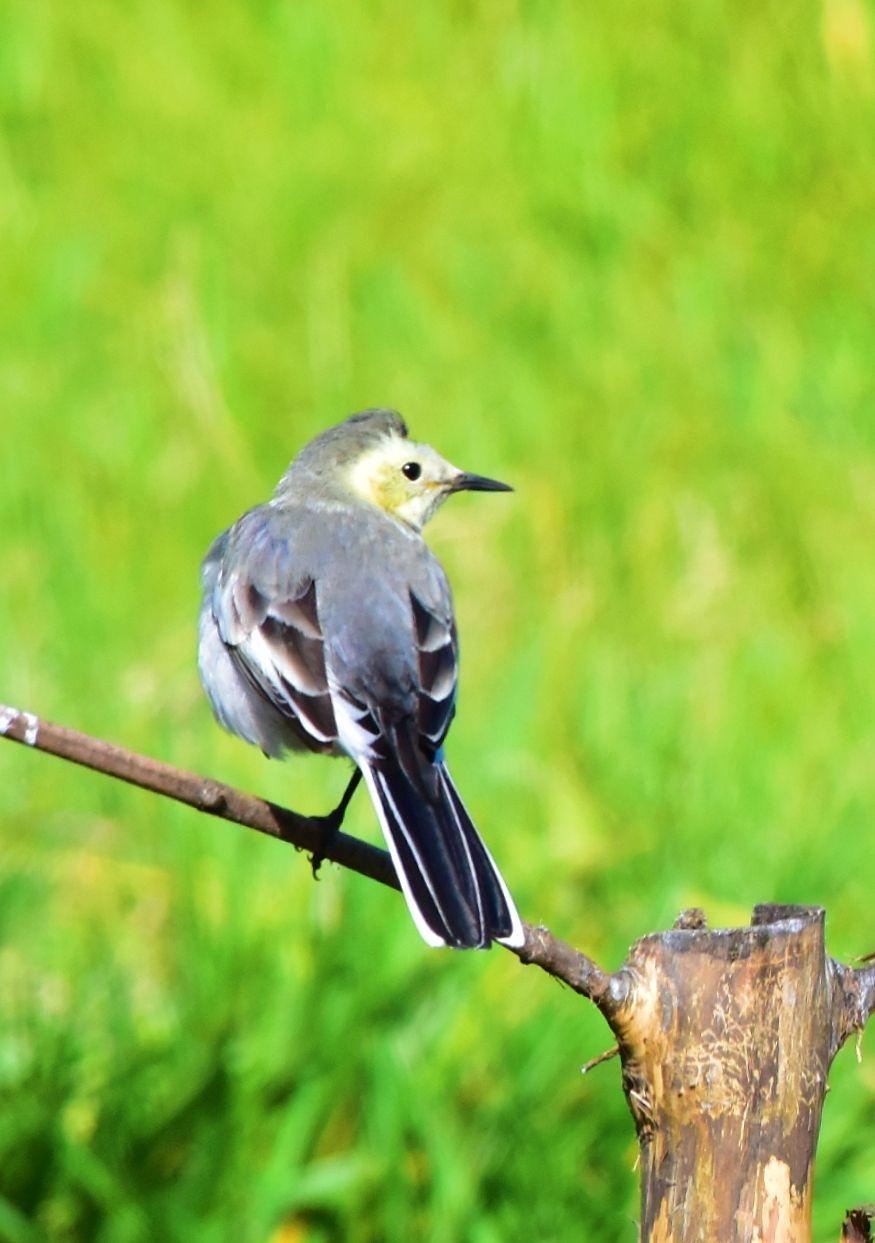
[(437, 649), (278, 645)]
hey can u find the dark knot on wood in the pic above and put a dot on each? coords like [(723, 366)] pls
[(858, 1224)]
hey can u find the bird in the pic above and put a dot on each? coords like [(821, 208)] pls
[(327, 625)]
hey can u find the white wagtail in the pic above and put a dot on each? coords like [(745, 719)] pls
[(327, 625)]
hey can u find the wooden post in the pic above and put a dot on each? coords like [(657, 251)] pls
[(726, 1038)]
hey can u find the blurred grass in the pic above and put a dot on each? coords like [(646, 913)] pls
[(624, 258)]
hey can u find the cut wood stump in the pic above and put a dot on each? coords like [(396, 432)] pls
[(726, 1038)]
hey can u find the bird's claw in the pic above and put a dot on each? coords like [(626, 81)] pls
[(329, 825)]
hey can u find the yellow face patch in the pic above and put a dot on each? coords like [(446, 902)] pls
[(378, 477)]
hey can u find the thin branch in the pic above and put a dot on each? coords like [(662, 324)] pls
[(557, 958), (540, 949), (212, 797), (607, 1056)]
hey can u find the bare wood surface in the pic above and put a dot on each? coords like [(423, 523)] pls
[(541, 948)]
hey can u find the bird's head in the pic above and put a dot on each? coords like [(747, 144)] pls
[(373, 457)]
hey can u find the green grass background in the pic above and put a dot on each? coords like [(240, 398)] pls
[(622, 255)]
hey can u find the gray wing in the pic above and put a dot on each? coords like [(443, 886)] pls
[(410, 726), (395, 708), (264, 614), (437, 648), (237, 707)]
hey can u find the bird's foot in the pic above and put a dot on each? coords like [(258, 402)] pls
[(331, 825)]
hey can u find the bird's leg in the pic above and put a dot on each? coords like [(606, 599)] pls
[(332, 822)]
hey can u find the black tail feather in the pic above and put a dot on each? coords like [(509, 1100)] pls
[(452, 886)]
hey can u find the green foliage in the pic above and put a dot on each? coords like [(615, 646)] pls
[(621, 256)]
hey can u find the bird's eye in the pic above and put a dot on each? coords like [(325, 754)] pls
[(412, 470)]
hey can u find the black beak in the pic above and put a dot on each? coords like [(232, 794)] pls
[(466, 482)]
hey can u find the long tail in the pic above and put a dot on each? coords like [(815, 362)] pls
[(454, 890)]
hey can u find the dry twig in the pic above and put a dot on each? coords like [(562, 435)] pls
[(541, 948)]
